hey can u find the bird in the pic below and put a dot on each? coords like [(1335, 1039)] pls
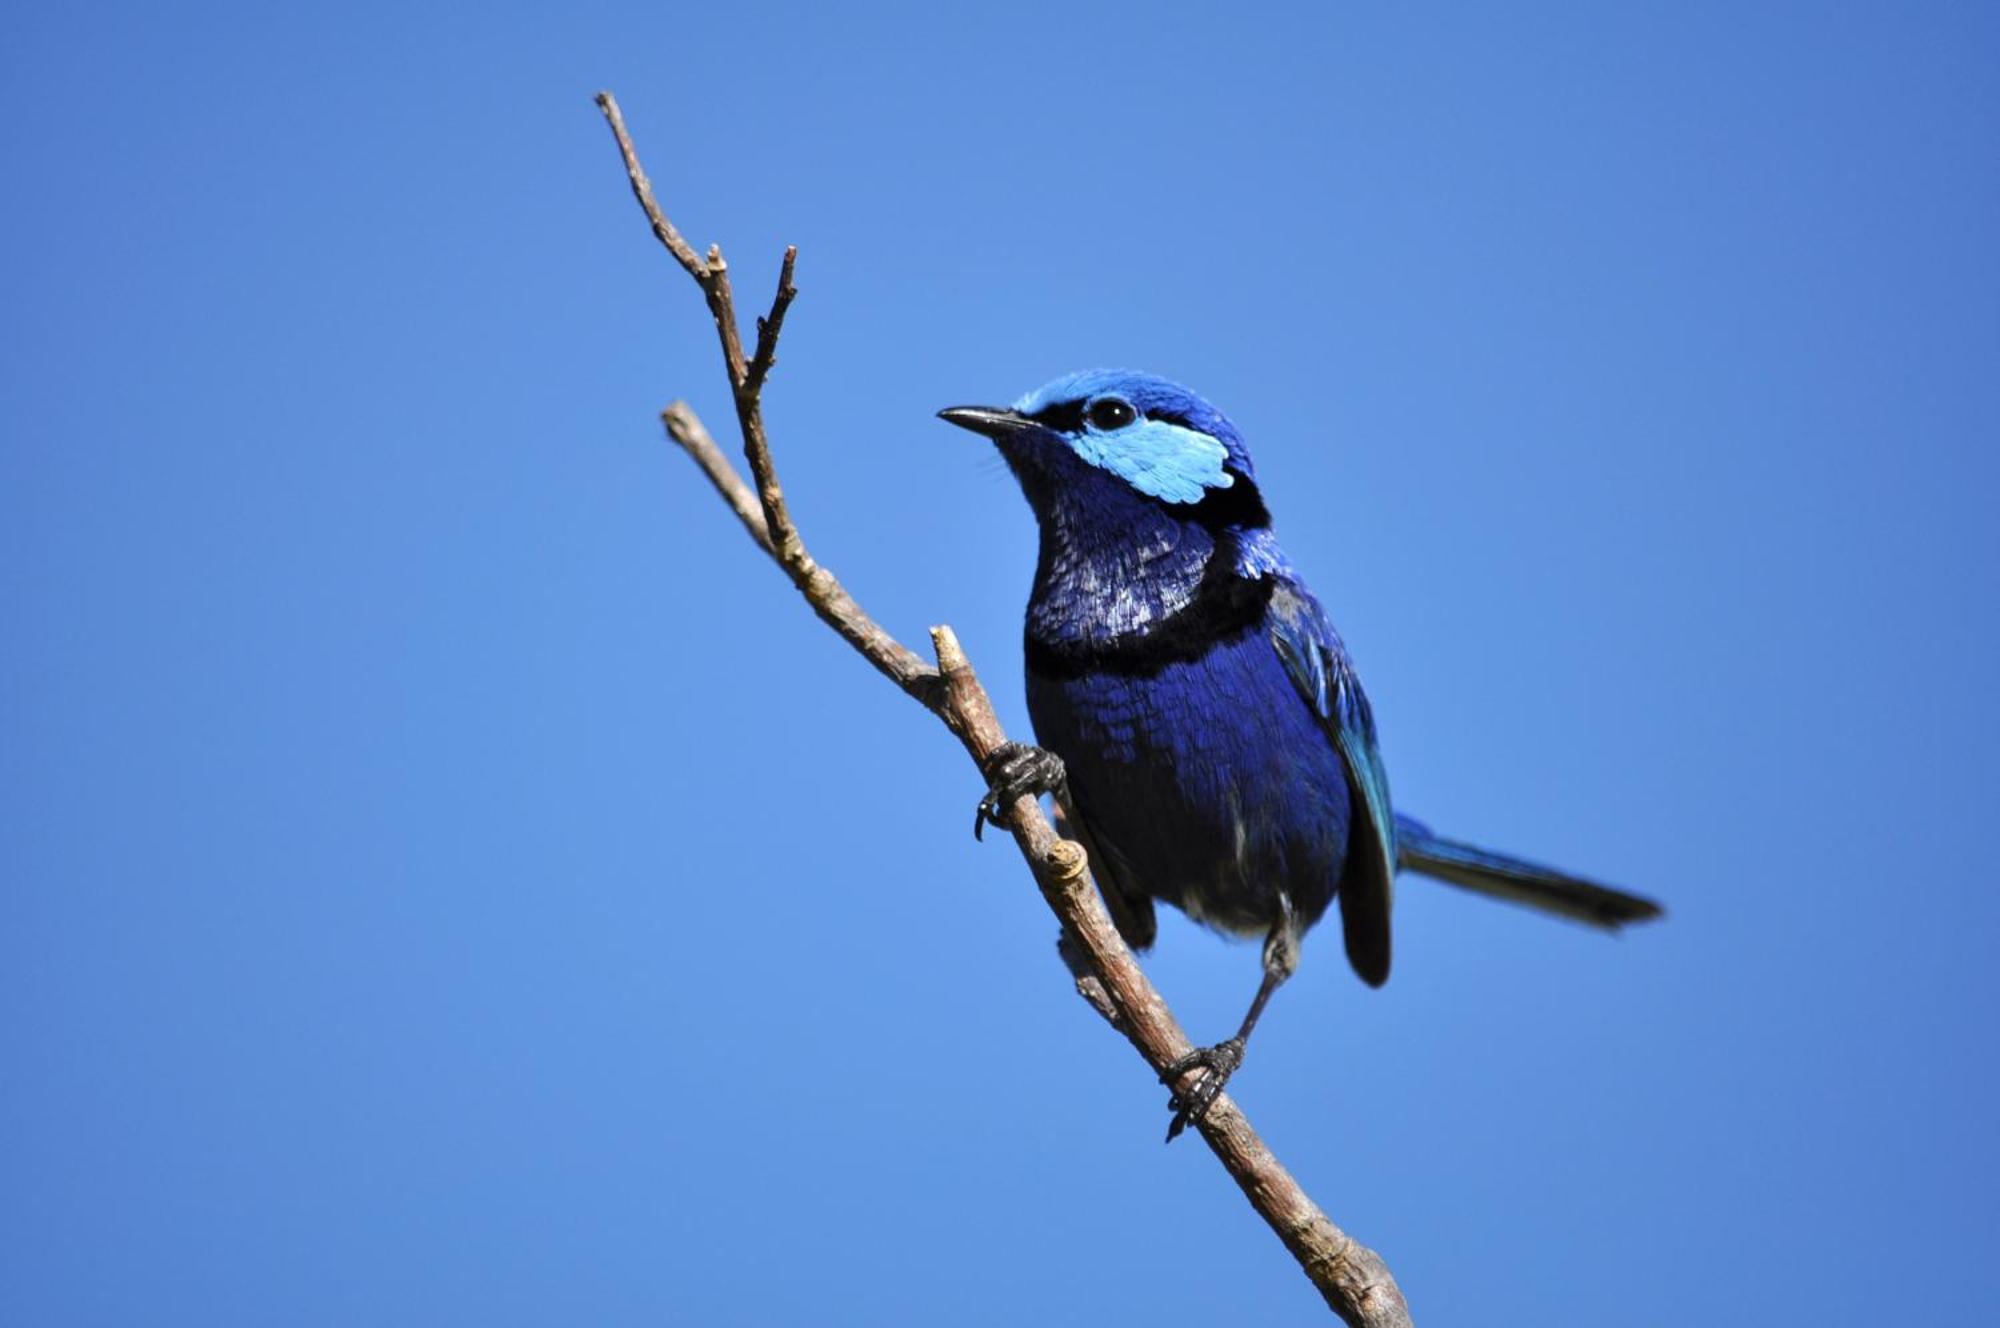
[(1197, 718)]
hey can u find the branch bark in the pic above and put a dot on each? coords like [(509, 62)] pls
[(1352, 1278)]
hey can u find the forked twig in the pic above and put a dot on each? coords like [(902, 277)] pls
[(1354, 1280)]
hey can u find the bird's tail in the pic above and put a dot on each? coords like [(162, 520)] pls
[(1502, 877)]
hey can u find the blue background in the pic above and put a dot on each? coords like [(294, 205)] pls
[(450, 878)]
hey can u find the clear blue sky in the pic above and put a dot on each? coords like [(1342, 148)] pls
[(449, 879)]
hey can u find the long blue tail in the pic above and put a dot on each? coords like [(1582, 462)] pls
[(1503, 877)]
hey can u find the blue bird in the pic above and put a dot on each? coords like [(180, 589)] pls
[(1199, 718)]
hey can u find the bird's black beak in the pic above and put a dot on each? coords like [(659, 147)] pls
[(993, 421)]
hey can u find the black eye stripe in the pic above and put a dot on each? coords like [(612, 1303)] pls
[(1063, 416), (1067, 416), (1239, 505)]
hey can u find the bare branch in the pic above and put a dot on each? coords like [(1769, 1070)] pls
[(686, 428), (642, 189), (773, 530), (750, 409), (1354, 1281), (767, 327), (722, 306)]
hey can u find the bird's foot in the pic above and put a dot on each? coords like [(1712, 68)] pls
[(1219, 1062), (1015, 770)]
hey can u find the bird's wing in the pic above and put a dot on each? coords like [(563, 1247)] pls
[(1318, 665)]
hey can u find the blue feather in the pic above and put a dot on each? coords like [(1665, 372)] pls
[(1317, 662), (1504, 877), (1222, 754), (1161, 460)]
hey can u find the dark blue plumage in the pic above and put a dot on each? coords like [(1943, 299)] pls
[(1220, 753)]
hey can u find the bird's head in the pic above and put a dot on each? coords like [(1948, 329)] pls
[(1107, 442)]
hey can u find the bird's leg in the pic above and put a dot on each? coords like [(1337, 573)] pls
[(1281, 960), (1016, 770)]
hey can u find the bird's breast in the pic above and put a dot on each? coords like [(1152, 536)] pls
[(1203, 775), (1104, 621)]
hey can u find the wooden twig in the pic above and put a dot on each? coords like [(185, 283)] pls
[(768, 327), (686, 428), (1353, 1279), (642, 189)]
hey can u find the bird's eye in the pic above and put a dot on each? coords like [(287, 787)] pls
[(1110, 413)]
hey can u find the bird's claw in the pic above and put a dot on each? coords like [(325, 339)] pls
[(1015, 770), (1218, 1062)]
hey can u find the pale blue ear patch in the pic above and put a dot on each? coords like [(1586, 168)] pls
[(1167, 461)]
